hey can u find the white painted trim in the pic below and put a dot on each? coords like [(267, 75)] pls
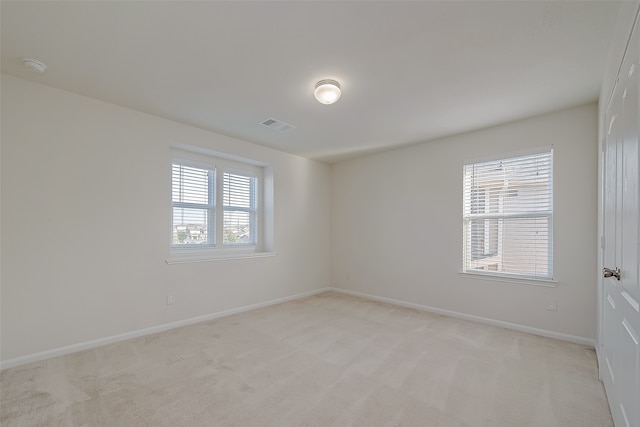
[(547, 283), (221, 255), (507, 154), (35, 357), (514, 326)]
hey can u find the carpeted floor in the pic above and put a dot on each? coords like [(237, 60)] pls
[(325, 360)]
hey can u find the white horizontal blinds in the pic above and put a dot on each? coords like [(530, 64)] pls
[(240, 205), (508, 216), (193, 204)]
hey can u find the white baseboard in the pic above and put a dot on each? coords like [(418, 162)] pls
[(35, 357), (542, 332)]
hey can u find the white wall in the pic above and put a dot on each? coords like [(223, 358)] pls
[(396, 225), (85, 224), (84, 220)]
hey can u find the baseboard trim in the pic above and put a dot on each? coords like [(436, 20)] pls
[(514, 326), (36, 357)]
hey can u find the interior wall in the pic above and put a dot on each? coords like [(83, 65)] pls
[(86, 220), (396, 225)]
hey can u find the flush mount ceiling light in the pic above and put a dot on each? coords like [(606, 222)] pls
[(327, 91), (34, 65)]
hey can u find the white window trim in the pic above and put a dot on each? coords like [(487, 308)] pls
[(515, 277), (509, 278), (202, 255), (203, 158)]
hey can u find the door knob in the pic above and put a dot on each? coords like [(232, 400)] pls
[(607, 272)]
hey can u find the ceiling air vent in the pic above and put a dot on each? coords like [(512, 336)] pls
[(277, 125)]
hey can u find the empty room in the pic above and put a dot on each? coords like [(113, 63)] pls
[(319, 213)]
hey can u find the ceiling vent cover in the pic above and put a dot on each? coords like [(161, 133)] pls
[(277, 125)]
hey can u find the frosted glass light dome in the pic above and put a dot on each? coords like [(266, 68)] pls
[(327, 91)]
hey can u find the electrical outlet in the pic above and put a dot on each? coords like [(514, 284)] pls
[(171, 299), (552, 305)]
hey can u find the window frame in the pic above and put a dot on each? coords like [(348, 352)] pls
[(511, 276), (253, 210), (209, 207), (218, 164)]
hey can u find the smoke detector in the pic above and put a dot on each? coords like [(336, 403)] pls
[(34, 65)]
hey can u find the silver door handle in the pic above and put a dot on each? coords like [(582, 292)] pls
[(607, 272)]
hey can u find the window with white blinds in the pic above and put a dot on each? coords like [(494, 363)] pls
[(508, 216), (215, 204), (240, 201), (193, 204)]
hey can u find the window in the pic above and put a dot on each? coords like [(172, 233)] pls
[(215, 206), (240, 196), (193, 204), (508, 216)]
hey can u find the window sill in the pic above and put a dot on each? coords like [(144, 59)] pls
[(547, 283), (206, 256)]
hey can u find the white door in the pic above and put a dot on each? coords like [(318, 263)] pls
[(620, 334)]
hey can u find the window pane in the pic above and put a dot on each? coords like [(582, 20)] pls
[(483, 235), (239, 191), (523, 183), (239, 227), (510, 245), (190, 185), (240, 209), (190, 226)]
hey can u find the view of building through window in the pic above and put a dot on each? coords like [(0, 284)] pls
[(508, 216)]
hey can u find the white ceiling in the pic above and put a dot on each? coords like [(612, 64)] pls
[(410, 71)]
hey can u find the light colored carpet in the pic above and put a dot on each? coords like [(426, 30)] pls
[(326, 360)]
